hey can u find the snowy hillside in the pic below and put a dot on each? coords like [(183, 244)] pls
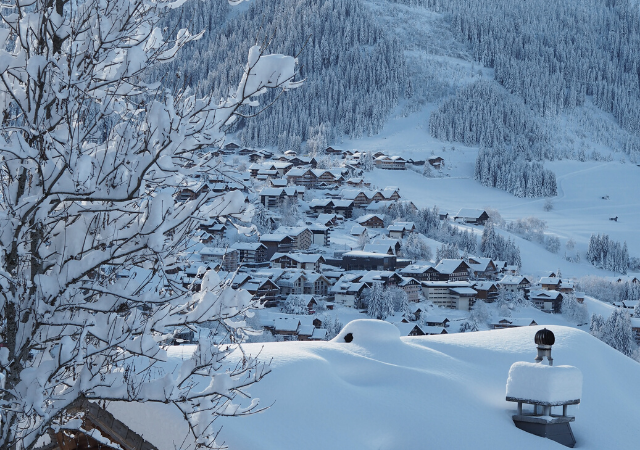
[(385, 392)]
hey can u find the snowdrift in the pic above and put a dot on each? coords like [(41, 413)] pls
[(381, 391)]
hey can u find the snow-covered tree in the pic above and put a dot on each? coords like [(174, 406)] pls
[(90, 157), (379, 302), (552, 243), (617, 333), (366, 162), (574, 311), (480, 312), (295, 304), (400, 302), (416, 248), (597, 325)]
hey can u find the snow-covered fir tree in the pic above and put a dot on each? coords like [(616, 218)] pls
[(295, 304), (574, 312), (379, 302)]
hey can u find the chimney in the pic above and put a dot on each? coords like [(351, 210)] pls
[(544, 388)]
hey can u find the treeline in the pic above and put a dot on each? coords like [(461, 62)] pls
[(485, 114), (355, 73), (555, 54), (608, 254), (504, 168)]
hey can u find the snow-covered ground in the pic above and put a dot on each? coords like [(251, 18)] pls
[(385, 392)]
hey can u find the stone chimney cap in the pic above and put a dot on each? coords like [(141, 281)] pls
[(545, 337)]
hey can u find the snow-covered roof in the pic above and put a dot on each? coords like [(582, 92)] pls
[(379, 248), (469, 213), (319, 334), (286, 324), (464, 290), (406, 328), (366, 217), (448, 266)]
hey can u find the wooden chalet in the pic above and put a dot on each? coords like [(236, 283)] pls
[(453, 270), (473, 216), (436, 161), (371, 221), (280, 243), (513, 323)]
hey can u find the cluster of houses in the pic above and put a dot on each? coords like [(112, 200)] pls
[(299, 260)]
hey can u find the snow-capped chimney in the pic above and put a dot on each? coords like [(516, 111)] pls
[(544, 388), (544, 339)]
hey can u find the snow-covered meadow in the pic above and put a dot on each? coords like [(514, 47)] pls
[(385, 392)]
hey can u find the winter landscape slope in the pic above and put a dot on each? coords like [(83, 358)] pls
[(385, 392)]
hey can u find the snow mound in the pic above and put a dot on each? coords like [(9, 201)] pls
[(542, 383), (368, 331)]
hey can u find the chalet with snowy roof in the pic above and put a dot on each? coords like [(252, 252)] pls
[(328, 177), (434, 320), (388, 249), (251, 252), (512, 283), (278, 183), (433, 331), (231, 146), (281, 243), (272, 198), (422, 272), (550, 283), (409, 329), (307, 261), (357, 182), (302, 236), (400, 230), (388, 278), (482, 267), (474, 216), (436, 161), (286, 326), (328, 220), (359, 197), (390, 162), (191, 191), (319, 334), (316, 284), (282, 167), (332, 206), (486, 291), (371, 221), (396, 243), (359, 260), (453, 270), (291, 282), (412, 288), (262, 289), (228, 258), (332, 151), (387, 194), (511, 322), (347, 292), (546, 300), (302, 176), (358, 230)]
